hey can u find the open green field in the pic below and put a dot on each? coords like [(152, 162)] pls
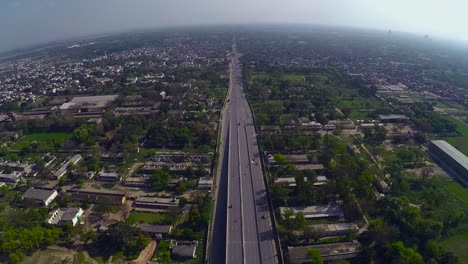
[(149, 218), (452, 198), (462, 128), (459, 191), (459, 245), (358, 103), (460, 142), (43, 141), (360, 114)]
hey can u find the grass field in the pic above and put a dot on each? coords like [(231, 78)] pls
[(149, 218), (460, 142), (44, 141), (457, 244), (456, 189), (462, 128)]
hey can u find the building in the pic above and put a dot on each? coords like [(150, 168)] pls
[(334, 251), (393, 118), (151, 166), (12, 177), (65, 216), (97, 196), (63, 168), (320, 181), (329, 211), (156, 203), (183, 250), (173, 182), (337, 229), (110, 176), (11, 135), (23, 168), (310, 166), (177, 161), (157, 231), (40, 196), (451, 159), (291, 181), (139, 182), (88, 104), (205, 183), (290, 159)]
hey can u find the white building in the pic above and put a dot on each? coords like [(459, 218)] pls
[(65, 215)]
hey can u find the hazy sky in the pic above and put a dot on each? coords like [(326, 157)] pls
[(25, 22)]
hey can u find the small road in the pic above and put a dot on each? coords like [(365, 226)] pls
[(241, 198)]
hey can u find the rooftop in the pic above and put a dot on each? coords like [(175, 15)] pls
[(157, 200), (327, 251), (186, 250), (38, 194), (452, 152), (98, 101), (317, 211), (392, 116), (64, 214), (155, 229)]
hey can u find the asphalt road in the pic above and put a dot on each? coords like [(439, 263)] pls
[(249, 236)]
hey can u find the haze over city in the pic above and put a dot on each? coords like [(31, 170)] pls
[(27, 22), (233, 131)]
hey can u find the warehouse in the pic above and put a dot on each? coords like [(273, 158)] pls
[(452, 160)]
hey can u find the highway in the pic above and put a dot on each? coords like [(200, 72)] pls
[(241, 205)]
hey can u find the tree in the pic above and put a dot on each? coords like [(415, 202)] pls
[(93, 165), (307, 192), (279, 194), (125, 211), (314, 256), (160, 179), (81, 134), (120, 237), (88, 237), (403, 255), (279, 158), (189, 172), (312, 233), (104, 205)]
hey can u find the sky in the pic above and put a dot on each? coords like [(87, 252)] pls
[(28, 22)]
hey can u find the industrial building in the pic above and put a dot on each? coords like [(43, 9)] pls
[(452, 160)]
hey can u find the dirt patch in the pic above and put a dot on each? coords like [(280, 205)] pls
[(56, 254), (146, 254)]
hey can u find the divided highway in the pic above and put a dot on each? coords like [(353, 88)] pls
[(242, 228)]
